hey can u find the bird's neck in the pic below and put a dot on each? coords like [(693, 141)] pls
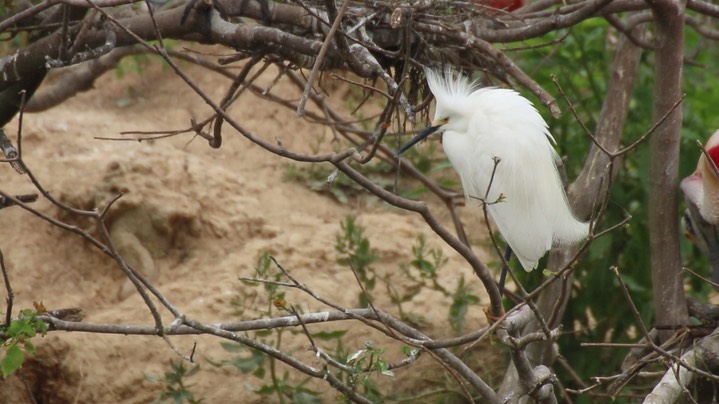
[(710, 185)]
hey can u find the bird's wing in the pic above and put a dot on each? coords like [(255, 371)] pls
[(526, 199), (533, 212), (521, 214), (520, 220)]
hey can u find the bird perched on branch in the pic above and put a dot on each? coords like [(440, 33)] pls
[(503, 152), (701, 193)]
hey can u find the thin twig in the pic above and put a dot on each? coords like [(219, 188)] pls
[(705, 279), (8, 287), (320, 57), (632, 306)]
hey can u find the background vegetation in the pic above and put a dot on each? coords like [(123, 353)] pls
[(527, 49)]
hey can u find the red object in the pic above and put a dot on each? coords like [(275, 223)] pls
[(507, 5), (714, 154)]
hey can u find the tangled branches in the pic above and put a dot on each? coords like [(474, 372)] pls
[(381, 47)]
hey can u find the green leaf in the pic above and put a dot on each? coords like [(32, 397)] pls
[(461, 299), (356, 355), (232, 347), (20, 328), (330, 335), (30, 348), (247, 364), (264, 333), (269, 389), (306, 397), (383, 367), (192, 371), (259, 373), (12, 361), (548, 272)]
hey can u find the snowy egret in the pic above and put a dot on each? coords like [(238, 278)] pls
[(701, 193), (523, 191)]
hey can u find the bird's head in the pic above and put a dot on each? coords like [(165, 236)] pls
[(452, 111), (709, 161), (702, 187), (701, 193)]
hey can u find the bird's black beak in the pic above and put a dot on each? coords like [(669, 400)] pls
[(422, 135)]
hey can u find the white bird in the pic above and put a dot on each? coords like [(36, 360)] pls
[(701, 193), (526, 199)]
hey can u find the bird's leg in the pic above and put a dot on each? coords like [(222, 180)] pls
[(505, 268)]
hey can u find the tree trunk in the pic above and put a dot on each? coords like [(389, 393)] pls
[(584, 192), (669, 301)]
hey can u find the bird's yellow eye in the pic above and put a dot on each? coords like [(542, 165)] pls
[(440, 121)]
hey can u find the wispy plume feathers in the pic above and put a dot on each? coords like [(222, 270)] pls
[(448, 84)]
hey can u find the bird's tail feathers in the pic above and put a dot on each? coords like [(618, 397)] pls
[(567, 229), (529, 264), (571, 231)]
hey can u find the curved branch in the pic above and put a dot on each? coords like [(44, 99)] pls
[(74, 80), (554, 22), (704, 7)]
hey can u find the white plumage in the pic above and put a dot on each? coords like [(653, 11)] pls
[(479, 124)]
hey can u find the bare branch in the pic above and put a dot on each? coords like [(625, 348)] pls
[(664, 171), (321, 56)]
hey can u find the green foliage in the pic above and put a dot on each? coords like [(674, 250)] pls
[(18, 342), (137, 63), (296, 393), (253, 363), (134, 64), (247, 361), (250, 361), (422, 273), (278, 387), (274, 297), (358, 369), (357, 254), (366, 362), (363, 364), (582, 65), (13, 359), (427, 266), (176, 388), (462, 298)]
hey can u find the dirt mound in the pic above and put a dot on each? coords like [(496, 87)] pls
[(193, 219)]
